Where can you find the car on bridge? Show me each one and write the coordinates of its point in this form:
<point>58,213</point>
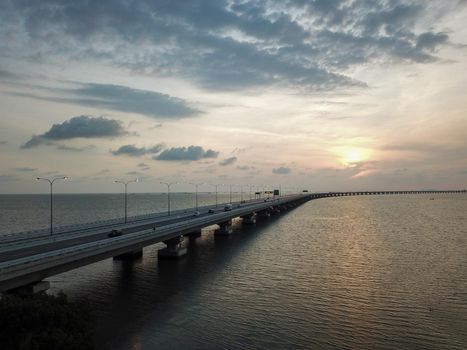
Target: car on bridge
<point>196,213</point>
<point>228,207</point>
<point>115,233</point>
<point>211,211</point>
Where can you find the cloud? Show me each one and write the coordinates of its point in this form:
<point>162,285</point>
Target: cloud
<point>133,151</point>
<point>78,127</point>
<point>6,75</point>
<point>143,165</point>
<point>281,171</point>
<point>8,178</point>
<point>228,161</point>
<point>118,98</point>
<point>74,149</point>
<point>245,167</point>
<point>25,169</point>
<point>3,142</point>
<point>190,153</point>
<point>431,40</point>
<point>304,44</point>
<point>125,99</point>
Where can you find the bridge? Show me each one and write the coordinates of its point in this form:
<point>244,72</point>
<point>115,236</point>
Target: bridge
<point>27,258</point>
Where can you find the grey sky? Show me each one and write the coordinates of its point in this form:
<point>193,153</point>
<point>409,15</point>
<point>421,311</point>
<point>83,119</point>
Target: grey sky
<point>326,94</point>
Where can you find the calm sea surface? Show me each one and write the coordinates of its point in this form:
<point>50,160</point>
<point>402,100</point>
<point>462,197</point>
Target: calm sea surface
<point>376,272</point>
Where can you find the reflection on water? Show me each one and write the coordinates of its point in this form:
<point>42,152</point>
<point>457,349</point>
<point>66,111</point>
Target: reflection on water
<point>383,272</point>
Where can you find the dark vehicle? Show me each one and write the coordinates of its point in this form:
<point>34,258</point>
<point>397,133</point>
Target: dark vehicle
<point>228,207</point>
<point>114,233</point>
<point>211,211</point>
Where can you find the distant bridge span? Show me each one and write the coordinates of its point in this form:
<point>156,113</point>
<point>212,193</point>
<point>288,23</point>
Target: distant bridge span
<point>372,193</point>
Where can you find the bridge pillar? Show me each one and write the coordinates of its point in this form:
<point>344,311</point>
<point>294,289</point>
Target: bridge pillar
<point>194,234</point>
<point>174,249</point>
<point>32,288</point>
<point>135,254</point>
<point>264,214</point>
<point>249,219</point>
<point>225,229</point>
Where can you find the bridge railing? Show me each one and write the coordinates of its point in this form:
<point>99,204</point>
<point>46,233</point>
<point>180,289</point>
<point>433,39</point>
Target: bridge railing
<point>64,229</point>
<point>92,248</point>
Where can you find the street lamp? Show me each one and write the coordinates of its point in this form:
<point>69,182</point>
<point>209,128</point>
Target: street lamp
<point>126,193</point>
<point>241,193</point>
<point>168,184</point>
<point>250,186</point>
<point>51,183</point>
<point>196,196</point>
<point>230,186</point>
<point>216,186</point>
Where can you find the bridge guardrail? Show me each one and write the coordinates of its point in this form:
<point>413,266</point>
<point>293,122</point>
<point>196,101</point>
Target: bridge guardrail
<point>129,239</point>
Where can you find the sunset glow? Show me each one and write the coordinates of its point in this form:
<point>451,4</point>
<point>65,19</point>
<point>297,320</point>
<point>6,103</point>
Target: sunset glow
<point>266,93</point>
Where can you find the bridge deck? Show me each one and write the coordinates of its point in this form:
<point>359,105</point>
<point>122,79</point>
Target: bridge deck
<point>27,258</point>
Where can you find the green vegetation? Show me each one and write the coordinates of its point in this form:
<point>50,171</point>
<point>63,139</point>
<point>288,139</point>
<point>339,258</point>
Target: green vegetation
<point>44,321</point>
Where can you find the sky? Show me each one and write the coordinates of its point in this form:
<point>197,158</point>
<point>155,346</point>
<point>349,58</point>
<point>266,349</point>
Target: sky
<point>324,95</point>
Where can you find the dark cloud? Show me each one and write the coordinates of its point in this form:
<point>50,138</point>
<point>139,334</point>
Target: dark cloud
<point>25,169</point>
<point>75,149</point>
<point>143,165</point>
<point>228,161</point>
<point>220,44</point>
<point>3,142</point>
<point>133,151</point>
<point>8,75</point>
<point>118,98</point>
<point>8,178</point>
<point>125,99</point>
<point>78,127</point>
<point>430,40</point>
<point>186,154</point>
<point>281,171</point>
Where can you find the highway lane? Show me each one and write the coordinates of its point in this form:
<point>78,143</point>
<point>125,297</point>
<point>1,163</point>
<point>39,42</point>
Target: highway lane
<point>49,244</point>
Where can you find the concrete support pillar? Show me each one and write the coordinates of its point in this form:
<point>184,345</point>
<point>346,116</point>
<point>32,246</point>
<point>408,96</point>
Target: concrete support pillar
<point>174,249</point>
<point>225,229</point>
<point>264,214</point>
<point>276,210</point>
<point>249,219</point>
<point>194,234</point>
<point>135,254</point>
<point>32,288</point>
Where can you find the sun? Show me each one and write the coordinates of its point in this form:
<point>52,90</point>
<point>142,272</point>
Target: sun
<point>351,156</point>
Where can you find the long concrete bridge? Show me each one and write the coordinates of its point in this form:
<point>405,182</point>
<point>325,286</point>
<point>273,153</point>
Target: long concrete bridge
<point>27,258</point>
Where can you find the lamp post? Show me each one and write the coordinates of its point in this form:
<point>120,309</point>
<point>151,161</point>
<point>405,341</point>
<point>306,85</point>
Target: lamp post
<point>230,196</point>
<point>168,184</point>
<point>125,183</point>
<point>196,195</point>
<point>250,186</point>
<point>241,193</point>
<point>216,186</point>
<point>51,183</point>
